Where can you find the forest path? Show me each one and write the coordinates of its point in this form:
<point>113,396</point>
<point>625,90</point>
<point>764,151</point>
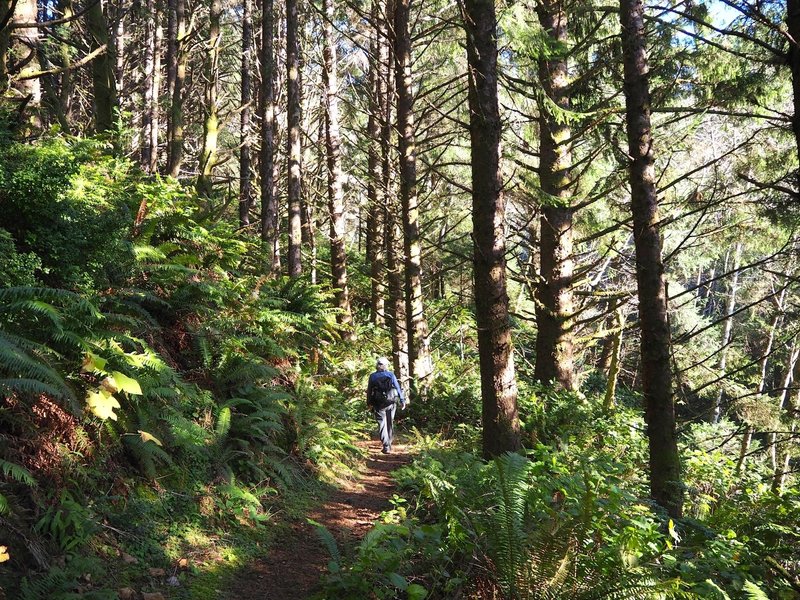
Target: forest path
<point>298,559</point>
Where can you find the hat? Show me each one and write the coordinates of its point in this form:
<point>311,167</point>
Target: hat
<point>382,362</point>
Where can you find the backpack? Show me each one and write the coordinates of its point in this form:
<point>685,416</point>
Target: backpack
<point>383,393</point>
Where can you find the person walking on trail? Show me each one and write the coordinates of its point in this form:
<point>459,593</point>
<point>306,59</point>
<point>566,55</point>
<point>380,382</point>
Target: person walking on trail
<point>383,395</point>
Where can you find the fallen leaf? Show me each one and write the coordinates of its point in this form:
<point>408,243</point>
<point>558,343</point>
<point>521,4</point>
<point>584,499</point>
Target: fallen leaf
<point>4,555</point>
<point>153,596</point>
<point>128,559</point>
<point>126,594</point>
<point>156,572</point>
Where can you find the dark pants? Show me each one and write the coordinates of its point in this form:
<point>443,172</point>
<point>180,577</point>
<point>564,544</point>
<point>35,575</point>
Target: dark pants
<point>385,419</point>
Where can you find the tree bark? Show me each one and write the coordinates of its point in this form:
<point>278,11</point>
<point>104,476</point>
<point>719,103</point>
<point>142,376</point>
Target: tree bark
<point>175,157</point>
<point>335,191</point>
<point>498,381</point>
<point>294,146</point>
<point>119,46</point>
<point>245,175</point>
<point>665,470</point>
<point>269,205</point>
<point>395,303</point>
<point>782,469</point>
<point>152,81</point>
<point>103,80</point>
<point>793,26</point>
<point>417,326</point>
<point>208,156</point>
<point>615,363</point>
<point>5,43</point>
<point>24,44</point>
<point>554,306</point>
<point>376,195</point>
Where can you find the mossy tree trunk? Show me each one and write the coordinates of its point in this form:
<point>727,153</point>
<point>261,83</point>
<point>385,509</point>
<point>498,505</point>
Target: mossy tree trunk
<point>208,156</point>
<point>554,304</point>
<point>103,75</point>
<point>177,65</point>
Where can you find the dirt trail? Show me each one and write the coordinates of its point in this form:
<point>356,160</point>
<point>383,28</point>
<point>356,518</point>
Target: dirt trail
<point>297,561</point>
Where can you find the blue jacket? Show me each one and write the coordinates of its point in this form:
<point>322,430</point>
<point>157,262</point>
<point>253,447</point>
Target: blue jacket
<point>377,376</point>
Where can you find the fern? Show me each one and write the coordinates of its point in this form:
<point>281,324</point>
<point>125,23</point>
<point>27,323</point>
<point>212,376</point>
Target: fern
<point>17,473</point>
<point>507,532</point>
<point>327,539</point>
<point>146,454</point>
<point>753,592</point>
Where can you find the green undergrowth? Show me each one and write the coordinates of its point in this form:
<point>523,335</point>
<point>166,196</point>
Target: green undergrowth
<point>164,405</point>
<point>570,518</point>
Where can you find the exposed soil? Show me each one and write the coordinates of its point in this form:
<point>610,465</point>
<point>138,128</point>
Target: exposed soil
<point>296,562</point>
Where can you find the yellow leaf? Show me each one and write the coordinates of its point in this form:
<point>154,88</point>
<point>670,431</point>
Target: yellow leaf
<point>126,384</point>
<point>93,363</point>
<point>149,437</point>
<point>102,404</point>
<point>4,555</point>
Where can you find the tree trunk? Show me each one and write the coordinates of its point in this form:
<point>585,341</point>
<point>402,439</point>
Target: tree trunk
<point>294,147</point>
<point>772,439</point>
<point>172,64</point>
<point>615,363</point>
<point>24,44</point>
<point>793,26</point>
<point>727,328</point>
<point>498,381</point>
<point>104,84</point>
<point>554,292</point>
<point>208,157</point>
<point>665,471</point>
<point>395,303</point>
<point>269,204</point>
<point>119,46</point>
<point>175,158</point>
<point>308,230</point>
<point>5,42</point>
<point>245,176</point>
<point>747,438</point>
<point>65,89</point>
<point>782,468</point>
<point>417,326</point>
<point>150,88</point>
<point>335,192</point>
<point>376,195</point>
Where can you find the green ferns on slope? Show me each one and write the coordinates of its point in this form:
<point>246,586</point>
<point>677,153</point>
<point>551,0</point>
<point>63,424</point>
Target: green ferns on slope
<point>147,348</point>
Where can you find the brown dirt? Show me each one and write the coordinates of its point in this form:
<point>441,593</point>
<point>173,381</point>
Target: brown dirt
<point>296,562</point>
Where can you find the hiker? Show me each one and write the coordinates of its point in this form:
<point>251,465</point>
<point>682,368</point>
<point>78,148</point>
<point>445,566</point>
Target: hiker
<point>383,394</point>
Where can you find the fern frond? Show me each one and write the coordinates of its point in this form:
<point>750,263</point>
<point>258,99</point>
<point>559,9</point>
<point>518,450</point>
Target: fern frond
<point>327,539</point>
<point>17,473</point>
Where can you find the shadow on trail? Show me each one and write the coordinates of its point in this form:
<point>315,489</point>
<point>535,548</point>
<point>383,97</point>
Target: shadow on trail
<point>297,559</point>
